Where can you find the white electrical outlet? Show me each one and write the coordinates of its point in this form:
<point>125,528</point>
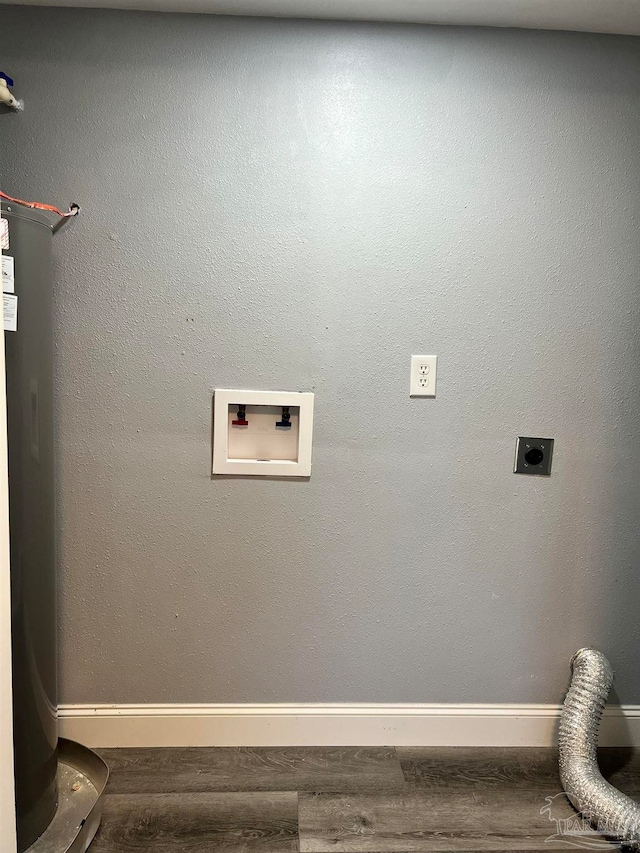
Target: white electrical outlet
<point>423,375</point>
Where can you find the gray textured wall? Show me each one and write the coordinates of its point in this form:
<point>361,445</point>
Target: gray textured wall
<point>283,204</point>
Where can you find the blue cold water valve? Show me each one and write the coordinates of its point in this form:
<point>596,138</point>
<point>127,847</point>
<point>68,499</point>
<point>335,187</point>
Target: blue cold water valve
<point>6,97</point>
<point>285,423</point>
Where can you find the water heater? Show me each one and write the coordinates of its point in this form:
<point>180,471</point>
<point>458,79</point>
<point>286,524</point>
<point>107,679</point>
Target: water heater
<point>29,361</point>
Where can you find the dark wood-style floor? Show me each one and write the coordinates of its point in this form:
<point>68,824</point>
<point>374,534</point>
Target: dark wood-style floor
<point>360,799</point>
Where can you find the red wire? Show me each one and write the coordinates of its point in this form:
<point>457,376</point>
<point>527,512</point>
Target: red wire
<point>38,205</point>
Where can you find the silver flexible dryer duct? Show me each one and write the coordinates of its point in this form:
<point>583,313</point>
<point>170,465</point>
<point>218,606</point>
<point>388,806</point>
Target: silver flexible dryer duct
<point>608,809</point>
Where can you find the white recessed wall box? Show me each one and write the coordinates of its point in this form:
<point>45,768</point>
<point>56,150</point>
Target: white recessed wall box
<point>262,433</point>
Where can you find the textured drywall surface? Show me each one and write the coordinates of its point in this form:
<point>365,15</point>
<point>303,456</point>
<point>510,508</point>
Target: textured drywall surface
<point>303,205</point>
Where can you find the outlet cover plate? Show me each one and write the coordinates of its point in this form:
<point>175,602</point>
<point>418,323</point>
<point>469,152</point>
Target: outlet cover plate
<point>533,455</point>
<point>423,375</point>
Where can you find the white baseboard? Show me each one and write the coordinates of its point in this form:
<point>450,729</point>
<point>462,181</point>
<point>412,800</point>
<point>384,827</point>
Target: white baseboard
<point>331,725</point>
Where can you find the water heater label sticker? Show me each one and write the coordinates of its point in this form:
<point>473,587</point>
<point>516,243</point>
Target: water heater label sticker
<point>4,233</point>
<point>8,274</point>
<point>10,311</point>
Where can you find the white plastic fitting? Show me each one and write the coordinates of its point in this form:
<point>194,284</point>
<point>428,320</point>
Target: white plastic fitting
<point>7,98</point>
